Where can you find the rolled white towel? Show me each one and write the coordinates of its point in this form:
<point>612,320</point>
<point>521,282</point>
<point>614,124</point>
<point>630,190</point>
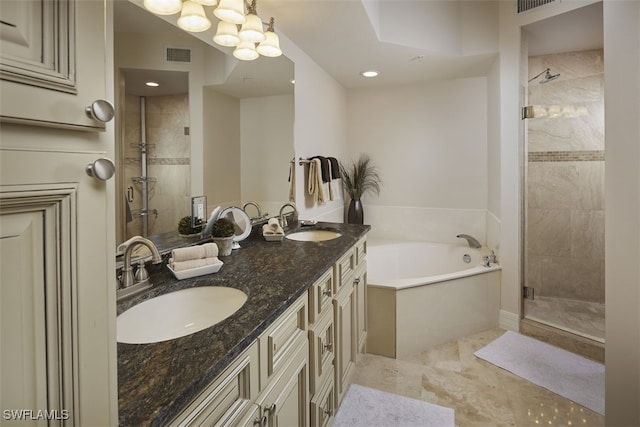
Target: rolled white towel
<point>186,254</point>
<point>210,250</point>
<point>193,263</point>
<point>268,230</point>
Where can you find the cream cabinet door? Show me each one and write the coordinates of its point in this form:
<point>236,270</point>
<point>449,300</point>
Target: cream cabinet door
<point>58,353</point>
<point>53,62</point>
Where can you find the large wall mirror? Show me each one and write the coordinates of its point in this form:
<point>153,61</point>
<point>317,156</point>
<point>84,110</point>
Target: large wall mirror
<point>213,125</point>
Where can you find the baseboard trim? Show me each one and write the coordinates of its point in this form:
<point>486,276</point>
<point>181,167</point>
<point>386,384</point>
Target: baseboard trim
<point>509,321</point>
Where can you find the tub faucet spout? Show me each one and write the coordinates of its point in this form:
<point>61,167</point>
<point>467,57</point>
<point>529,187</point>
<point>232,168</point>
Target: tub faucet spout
<point>472,241</point>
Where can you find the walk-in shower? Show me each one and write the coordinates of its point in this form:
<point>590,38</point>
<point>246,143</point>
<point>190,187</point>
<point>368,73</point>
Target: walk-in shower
<point>564,193</point>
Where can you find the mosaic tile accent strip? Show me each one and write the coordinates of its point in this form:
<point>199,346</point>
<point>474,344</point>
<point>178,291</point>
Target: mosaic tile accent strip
<point>566,156</point>
<point>162,161</point>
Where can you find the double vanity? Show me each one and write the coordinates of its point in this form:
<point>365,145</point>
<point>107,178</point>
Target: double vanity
<point>284,357</point>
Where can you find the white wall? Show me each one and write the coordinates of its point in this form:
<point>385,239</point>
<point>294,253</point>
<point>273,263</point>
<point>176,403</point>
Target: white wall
<point>429,142</point>
<point>319,128</point>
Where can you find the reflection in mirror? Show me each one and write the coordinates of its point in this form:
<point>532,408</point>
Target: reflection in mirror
<point>226,133</point>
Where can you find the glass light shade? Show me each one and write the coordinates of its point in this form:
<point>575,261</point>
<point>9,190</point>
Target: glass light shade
<point>252,29</point>
<point>163,7</point>
<point>231,11</point>
<point>246,51</point>
<point>226,34</point>
<point>207,2</point>
<point>193,18</point>
<point>270,46</point>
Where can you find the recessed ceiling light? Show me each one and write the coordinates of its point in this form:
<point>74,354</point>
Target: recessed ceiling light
<point>369,73</point>
<point>152,84</point>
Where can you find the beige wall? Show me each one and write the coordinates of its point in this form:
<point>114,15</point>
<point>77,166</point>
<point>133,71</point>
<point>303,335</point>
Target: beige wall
<point>266,139</point>
<point>622,241</point>
<point>429,142</point>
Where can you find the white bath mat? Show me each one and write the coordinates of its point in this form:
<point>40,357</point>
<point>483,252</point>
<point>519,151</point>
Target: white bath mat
<point>366,407</point>
<point>569,375</point>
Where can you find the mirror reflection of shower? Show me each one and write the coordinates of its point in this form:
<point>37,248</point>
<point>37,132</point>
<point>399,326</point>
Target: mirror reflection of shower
<point>548,77</point>
<point>156,147</point>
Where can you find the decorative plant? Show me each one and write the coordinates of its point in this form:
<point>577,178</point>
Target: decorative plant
<point>223,227</point>
<point>184,227</point>
<point>360,177</point>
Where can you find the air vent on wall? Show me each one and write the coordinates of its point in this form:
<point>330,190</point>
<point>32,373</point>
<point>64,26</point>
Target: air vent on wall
<point>175,54</point>
<point>524,5</point>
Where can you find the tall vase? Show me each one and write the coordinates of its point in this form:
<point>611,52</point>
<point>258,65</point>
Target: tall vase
<point>355,214</point>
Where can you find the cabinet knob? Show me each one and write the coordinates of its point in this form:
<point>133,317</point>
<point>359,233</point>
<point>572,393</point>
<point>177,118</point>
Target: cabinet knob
<point>270,409</point>
<point>327,412</point>
<point>260,422</point>
<point>101,169</point>
<point>327,292</point>
<point>100,110</point>
<point>356,280</point>
<point>328,346</point>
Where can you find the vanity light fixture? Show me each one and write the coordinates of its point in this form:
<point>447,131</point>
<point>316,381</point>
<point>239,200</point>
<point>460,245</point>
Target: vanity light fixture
<point>192,17</point>
<point>271,45</point>
<point>230,11</point>
<point>244,31</point>
<point>163,7</point>
<point>369,73</point>
<point>252,30</point>
<point>227,34</point>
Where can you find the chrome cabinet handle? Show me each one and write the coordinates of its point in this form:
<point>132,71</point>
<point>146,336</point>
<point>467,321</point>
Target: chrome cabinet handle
<point>327,292</point>
<point>100,110</point>
<point>101,169</point>
<point>327,412</point>
<point>270,409</point>
<point>356,280</point>
<point>261,422</point>
<point>328,346</point>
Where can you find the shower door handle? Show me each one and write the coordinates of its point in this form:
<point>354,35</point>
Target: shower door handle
<point>101,169</point>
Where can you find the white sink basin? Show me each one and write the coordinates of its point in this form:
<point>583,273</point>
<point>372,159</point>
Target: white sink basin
<point>313,235</point>
<point>177,314</point>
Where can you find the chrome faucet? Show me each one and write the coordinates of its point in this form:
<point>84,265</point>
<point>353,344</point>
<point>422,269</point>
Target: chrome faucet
<point>250,203</point>
<point>127,279</point>
<point>473,243</point>
<point>283,219</point>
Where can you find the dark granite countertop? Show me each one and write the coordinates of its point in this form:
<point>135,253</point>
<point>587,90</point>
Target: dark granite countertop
<point>156,381</point>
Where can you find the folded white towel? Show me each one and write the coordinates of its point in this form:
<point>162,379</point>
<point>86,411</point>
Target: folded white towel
<point>272,230</point>
<point>315,186</point>
<point>192,263</point>
<point>335,189</point>
<point>273,222</point>
<point>207,250</point>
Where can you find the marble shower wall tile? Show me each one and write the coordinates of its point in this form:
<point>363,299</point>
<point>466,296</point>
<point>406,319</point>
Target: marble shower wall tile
<point>565,192</point>
<point>168,160</point>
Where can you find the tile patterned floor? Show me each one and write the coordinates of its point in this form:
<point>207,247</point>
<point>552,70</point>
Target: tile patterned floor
<point>480,393</point>
<point>579,317</point>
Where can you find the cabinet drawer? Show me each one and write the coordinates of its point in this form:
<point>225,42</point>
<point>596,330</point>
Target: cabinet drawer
<point>320,296</point>
<point>361,251</point>
<point>321,349</point>
<point>228,396</point>
<point>322,407</point>
<point>344,270</point>
<point>282,339</point>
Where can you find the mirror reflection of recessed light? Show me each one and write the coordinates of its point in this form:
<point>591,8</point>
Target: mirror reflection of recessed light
<point>369,73</point>
<point>152,84</point>
<point>293,81</point>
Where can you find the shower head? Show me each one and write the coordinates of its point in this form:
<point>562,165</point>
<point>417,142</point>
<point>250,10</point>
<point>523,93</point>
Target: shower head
<point>547,76</point>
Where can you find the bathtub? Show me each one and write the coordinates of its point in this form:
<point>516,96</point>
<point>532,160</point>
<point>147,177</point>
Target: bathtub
<point>422,294</point>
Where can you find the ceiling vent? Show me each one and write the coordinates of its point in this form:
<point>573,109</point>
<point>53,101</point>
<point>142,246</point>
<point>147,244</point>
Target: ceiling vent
<point>524,5</point>
<point>176,54</point>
